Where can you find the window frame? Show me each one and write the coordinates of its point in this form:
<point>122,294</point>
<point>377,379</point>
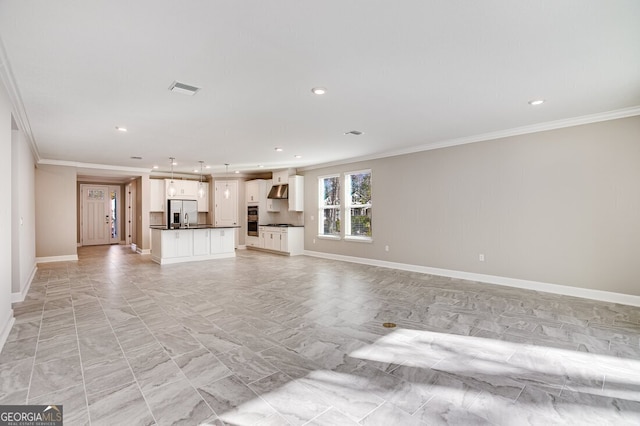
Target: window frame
<point>346,228</point>
<point>322,207</point>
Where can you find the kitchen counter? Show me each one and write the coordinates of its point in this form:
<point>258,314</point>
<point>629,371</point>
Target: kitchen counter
<point>196,243</point>
<point>203,226</point>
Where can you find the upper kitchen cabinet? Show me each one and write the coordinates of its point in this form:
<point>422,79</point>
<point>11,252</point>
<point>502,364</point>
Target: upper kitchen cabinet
<point>255,190</point>
<point>296,193</point>
<point>185,189</point>
<point>281,177</point>
<point>203,203</point>
<point>158,197</point>
<point>226,208</point>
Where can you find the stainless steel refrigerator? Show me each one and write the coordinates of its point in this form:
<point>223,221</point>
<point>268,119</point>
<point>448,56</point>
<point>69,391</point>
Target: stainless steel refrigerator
<point>182,213</point>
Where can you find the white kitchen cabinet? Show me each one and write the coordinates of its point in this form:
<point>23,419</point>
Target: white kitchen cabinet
<point>272,238</point>
<point>255,190</point>
<point>293,240</point>
<point>158,197</point>
<point>296,193</point>
<point>226,209</point>
<point>222,241</point>
<point>189,245</point>
<point>185,189</point>
<point>286,240</point>
<point>177,243</point>
<point>203,203</point>
<point>253,241</point>
<point>281,177</point>
<point>201,242</point>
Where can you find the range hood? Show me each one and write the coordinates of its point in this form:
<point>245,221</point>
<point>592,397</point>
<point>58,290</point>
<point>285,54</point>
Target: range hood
<point>279,192</point>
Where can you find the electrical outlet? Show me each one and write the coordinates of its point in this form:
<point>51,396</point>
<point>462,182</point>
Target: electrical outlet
<point>386,248</point>
<point>481,257</point>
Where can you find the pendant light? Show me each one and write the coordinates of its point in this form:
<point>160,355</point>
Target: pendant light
<point>227,192</point>
<point>172,190</point>
<point>200,186</point>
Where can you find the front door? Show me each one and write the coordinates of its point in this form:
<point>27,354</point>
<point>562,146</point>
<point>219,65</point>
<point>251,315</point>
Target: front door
<point>96,215</point>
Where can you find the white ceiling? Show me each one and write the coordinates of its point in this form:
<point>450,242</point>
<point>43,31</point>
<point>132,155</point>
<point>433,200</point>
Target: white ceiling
<point>408,74</point>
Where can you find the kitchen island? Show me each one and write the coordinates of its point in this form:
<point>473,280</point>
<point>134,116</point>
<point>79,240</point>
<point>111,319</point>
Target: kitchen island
<point>201,242</point>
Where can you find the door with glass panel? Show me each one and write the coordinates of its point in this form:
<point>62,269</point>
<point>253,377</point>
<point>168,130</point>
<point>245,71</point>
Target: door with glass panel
<point>100,214</point>
<point>96,217</point>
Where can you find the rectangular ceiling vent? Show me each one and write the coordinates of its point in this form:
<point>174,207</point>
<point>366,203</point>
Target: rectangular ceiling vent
<point>185,89</point>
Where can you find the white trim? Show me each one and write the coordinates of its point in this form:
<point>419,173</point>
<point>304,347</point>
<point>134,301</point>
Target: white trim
<point>356,239</point>
<point>534,128</point>
<point>19,297</point>
<point>241,247</point>
<point>6,329</point>
<point>96,166</point>
<point>19,111</point>
<point>48,259</point>
<point>141,251</point>
<point>585,293</point>
<point>329,237</point>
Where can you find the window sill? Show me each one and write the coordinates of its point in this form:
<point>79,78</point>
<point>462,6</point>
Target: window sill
<point>329,237</point>
<point>359,239</point>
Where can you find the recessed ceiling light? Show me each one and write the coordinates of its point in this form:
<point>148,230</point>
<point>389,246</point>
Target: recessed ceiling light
<point>536,102</point>
<point>354,132</point>
<point>298,156</point>
<point>121,129</point>
<point>174,163</point>
<point>195,170</point>
<point>207,167</point>
<point>279,149</point>
<point>260,166</point>
<point>318,90</point>
<point>156,167</point>
<point>237,171</point>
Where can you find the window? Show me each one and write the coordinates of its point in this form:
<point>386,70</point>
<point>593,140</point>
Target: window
<point>358,205</point>
<point>329,202</point>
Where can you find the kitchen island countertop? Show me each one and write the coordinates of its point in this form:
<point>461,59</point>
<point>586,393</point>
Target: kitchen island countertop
<point>202,226</point>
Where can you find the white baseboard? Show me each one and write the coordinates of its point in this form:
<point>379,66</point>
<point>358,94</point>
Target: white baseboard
<point>19,296</point>
<point>141,251</point>
<point>585,293</point>
<point>5,328</point>
<point>241,247</point>
<point>66,258</point>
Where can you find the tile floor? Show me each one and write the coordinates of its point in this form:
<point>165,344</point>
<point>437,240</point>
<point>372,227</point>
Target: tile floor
<point>270,340</point>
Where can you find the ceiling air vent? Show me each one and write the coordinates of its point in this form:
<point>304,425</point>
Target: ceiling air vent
<point>185,89</point>
<point>354,132</point>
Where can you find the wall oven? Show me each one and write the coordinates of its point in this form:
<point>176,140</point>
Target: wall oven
<point>252,221</point>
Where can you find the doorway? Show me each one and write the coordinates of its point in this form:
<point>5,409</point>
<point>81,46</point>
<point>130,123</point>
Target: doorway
<point>100,214</point>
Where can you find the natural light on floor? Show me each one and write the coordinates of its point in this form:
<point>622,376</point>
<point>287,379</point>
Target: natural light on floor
<point>422,376</point>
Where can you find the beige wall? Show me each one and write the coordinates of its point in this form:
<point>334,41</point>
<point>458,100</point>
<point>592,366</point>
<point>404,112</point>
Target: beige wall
<point>56,211</point>
<point>558,207</point>
<point>6,313</point>
<point>23,216</point>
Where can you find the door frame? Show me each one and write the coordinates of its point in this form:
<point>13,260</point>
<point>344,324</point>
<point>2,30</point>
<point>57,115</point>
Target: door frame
<point>110,187</point>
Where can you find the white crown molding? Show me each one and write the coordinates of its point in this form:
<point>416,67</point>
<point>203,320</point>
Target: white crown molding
<point>94,166</point>
<point>19,113</point>
<point>585,293</point>
<point>534,128</point>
